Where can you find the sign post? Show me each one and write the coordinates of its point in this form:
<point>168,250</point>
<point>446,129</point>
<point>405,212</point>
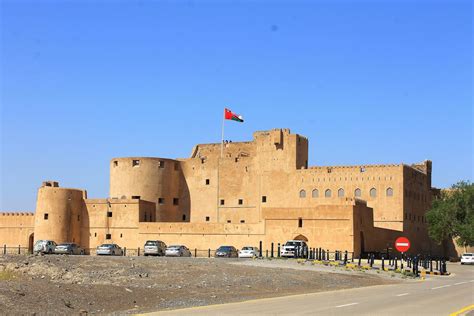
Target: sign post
<point>402,244</point>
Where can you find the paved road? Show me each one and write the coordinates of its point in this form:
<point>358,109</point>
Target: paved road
<point>434,296</point>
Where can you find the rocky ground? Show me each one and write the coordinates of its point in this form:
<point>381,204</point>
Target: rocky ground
<point>106,285</point>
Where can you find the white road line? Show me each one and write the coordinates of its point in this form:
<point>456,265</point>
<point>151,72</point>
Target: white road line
<point>461,283</point>
<point>345,305</point>
<point>440,287</point>
<point>403,294</point>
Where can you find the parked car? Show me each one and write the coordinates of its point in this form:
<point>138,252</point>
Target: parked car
<point>68,248</point>
<point>288,249</point>
<point>44,246</point>
<point>226,252</point>
<point>109,250</point>
<point>177,251</point>
<point>154,248</point>
<point>467,258</point>
<point>249,252</point>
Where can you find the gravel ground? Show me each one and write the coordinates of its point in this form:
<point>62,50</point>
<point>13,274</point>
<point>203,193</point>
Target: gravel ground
<point>107,285</point>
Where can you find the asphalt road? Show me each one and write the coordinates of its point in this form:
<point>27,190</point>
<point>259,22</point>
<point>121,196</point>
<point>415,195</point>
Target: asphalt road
<point>437,295</point>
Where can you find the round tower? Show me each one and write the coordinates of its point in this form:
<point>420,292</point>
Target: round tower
<point>58,214</point>
<point>152,179</point>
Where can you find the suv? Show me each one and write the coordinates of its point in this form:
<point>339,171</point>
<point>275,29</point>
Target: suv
<point>154,248</point>
<point>288,249</point>
<point>44,246</point>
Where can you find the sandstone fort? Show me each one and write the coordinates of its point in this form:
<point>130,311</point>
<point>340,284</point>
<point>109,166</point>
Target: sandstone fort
<point>257,191</point>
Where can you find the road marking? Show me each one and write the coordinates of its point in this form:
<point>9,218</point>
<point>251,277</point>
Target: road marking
<point>461,311</point>
<point>460,283</point>
<point>403,294</point>
<point>345,305</point>
<point>440,287</point>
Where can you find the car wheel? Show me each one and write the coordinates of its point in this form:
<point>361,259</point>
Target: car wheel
<point>50,251</point>
<point>82,252</point>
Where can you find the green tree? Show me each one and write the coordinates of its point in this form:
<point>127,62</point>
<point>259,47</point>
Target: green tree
<point>452,215</point>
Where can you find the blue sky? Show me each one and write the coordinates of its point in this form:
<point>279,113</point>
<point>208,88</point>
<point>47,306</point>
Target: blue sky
<point>365,81</point>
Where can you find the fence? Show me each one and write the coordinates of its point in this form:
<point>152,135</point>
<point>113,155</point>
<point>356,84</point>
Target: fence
<point>18,250</point>
<point>430,265</point>
<point>433,265</point>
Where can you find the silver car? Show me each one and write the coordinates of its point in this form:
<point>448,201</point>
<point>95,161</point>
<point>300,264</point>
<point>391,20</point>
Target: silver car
<point>44,246</point>
<point>109,250</point>
<point>68,248</point>
<point>177,251</point>
<point>155,248</point>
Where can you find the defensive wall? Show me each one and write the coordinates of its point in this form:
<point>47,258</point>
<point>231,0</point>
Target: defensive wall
<point>17,228</point>
<point>239,193</point>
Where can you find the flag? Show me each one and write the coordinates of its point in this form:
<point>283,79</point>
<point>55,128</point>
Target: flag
<point>233,117</point>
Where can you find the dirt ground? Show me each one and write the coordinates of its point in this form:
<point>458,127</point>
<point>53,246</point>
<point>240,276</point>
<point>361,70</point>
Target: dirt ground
<point>107,285</point>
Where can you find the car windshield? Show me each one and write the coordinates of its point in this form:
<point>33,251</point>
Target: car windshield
<point>225,248</point>
<point>107,246</point>
<point>468,255</point>
<point>174,247</point>
<point>247,248</point>
<point>292,243</point>
<point>151,243</point>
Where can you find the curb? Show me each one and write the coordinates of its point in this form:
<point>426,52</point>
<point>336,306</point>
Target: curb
<point>354,266</point>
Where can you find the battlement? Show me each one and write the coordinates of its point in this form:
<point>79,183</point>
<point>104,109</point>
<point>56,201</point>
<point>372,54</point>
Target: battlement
<point>17,214</point>
<point>359,168</point>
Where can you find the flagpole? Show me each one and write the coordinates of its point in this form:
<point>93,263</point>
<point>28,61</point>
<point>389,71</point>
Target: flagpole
<point>218,167</point>
<point>222,140</point>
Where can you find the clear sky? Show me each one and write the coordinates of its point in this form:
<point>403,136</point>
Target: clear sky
<point>366,81</point>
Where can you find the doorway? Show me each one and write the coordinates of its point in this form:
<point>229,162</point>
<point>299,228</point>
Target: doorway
<point>31,240</point>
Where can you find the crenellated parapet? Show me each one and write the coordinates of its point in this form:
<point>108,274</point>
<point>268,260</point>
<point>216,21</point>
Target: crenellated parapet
<point>17,213</point>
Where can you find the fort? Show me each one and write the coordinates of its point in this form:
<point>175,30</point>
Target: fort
<point>239,193</point>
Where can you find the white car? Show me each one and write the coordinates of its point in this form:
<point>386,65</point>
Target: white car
<point>467,258</point>
<point>177,251</point>
<point>248,252</point>
<point>288,249</point>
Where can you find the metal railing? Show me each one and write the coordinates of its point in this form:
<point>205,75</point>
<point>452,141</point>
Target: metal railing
<point>16,250</point>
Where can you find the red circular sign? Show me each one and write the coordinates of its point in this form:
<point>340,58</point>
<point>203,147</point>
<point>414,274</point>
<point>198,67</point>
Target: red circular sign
<point>402,244</point>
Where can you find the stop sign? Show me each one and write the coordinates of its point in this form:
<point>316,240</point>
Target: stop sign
<point>402,244</point>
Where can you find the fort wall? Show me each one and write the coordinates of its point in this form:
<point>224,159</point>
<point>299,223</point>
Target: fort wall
<point>115,221</point>
<point>16,229</point>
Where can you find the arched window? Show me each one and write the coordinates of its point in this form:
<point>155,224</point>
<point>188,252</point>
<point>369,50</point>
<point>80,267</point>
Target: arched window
<point>373,192</point>
<point>315,193</point>
<point>389,192</point>
<point>340,192</point>
<point>302,194</point>
<point>327,193</point>
<point>357,192</point>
